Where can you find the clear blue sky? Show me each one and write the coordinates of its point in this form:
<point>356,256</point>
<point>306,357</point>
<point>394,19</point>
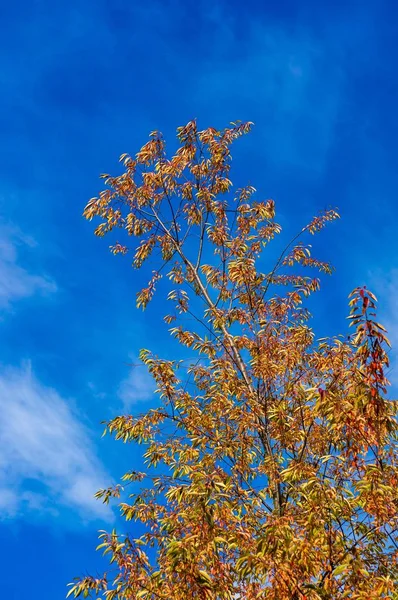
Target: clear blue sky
<point>84,81</point>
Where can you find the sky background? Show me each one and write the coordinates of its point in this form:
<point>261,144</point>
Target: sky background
<point>84,81</point>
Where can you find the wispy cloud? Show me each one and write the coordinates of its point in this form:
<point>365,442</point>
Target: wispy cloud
<point>16,282</point>
<point>137,387</point>
<point>289,80</point>
<point>43,441</point>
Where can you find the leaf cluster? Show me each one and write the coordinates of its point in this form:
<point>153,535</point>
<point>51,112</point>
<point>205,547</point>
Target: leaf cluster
<point>271,464</point>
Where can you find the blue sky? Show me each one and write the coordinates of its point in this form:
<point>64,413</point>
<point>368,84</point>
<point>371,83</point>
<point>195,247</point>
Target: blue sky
<point>84,81</point>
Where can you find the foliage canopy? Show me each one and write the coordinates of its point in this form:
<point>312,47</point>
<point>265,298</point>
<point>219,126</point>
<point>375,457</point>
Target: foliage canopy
<point>271,469</point>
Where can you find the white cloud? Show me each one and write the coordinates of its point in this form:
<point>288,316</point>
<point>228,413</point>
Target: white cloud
<point>15,281</point>
<point>138,386</point>
<point>43,441</point>
<point>8,502</point>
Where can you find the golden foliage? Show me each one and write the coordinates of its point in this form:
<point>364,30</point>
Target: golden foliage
<point>271,467</point>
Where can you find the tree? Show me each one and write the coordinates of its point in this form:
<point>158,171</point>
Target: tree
<point>271,470</point>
